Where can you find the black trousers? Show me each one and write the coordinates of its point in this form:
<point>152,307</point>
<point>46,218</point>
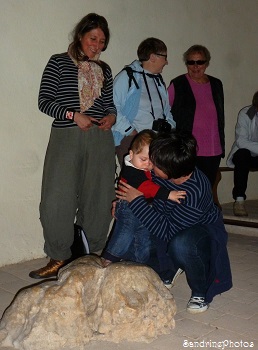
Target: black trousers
<point>209,166</point>
<point>243,163</point>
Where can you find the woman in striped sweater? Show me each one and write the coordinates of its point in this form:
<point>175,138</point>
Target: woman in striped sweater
<point>77,92</point>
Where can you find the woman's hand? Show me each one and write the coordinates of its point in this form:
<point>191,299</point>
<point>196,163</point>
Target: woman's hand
<point>83,121</point>
<point>107,122</point>
<point>127,192</point>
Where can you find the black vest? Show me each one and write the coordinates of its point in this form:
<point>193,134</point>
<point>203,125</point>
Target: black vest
<point>184,105</point>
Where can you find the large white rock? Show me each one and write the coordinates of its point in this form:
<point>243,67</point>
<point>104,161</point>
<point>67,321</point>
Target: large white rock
<point>124,301</point>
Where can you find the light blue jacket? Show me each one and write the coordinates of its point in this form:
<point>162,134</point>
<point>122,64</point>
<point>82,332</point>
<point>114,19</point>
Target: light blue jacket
<point>245,128</point>
<point>127,102</point>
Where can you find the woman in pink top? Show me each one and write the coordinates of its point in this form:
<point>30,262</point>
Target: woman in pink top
<point>197,105</point>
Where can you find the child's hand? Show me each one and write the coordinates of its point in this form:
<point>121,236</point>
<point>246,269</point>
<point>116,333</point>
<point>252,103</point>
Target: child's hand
<point>176,196</point>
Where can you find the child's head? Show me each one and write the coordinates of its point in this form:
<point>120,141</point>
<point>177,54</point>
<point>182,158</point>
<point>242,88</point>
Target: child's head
<point>139,150</point>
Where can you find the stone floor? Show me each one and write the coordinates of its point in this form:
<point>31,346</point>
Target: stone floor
<point>232,316</point>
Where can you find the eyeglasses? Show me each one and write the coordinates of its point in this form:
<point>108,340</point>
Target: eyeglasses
<point>162,55</point>
<point>192,62</point>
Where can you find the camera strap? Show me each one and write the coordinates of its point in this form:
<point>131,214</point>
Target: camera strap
<point>156,81</point>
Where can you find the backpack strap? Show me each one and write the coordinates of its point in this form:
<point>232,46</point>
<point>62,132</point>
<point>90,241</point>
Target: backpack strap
<point>130,72</point>
<point>131,76</point>
<point>161,79</point>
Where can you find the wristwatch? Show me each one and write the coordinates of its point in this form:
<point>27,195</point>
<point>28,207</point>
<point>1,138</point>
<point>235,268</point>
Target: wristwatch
<point>70,115</point>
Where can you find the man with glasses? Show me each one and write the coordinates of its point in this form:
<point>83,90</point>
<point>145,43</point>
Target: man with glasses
<point>141,97</point>
<point>197,104</point>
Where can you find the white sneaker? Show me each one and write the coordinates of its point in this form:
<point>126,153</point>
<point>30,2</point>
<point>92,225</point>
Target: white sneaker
<point>177,274</point>
<point>239,208</point>
<point>197,305</point>
<point>169,283</point>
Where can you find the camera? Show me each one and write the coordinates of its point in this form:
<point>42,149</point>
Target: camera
<point>161,125</point>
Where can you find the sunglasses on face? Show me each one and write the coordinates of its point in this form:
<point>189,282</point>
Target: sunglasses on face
<point>192,62</point>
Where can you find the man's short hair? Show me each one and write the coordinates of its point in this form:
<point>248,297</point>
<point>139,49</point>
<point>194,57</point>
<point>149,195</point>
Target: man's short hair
<point>149,46</point>
<point>174,153</point>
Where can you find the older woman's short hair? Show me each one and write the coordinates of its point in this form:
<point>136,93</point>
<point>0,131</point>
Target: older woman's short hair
<point>197,49</point>
<point>255,100</point>
<point>149,46</point>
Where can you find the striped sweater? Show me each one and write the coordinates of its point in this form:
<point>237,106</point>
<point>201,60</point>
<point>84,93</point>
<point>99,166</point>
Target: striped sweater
<point>59,92</point>
<point>165,219</point>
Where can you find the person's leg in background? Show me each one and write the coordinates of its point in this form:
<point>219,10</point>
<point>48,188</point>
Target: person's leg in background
<point>243,161</point>
<point>209,166</point>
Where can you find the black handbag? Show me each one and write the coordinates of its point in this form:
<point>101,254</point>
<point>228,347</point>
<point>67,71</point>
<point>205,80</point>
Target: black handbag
<point>80,246</point>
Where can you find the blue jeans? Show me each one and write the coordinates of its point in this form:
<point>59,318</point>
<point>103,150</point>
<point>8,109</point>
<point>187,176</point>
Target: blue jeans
<point>190,250</point>
<point>129,239</point>
<point>159,260</point>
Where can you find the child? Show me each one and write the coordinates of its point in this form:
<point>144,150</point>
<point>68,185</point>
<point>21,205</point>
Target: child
<point>130,240</point>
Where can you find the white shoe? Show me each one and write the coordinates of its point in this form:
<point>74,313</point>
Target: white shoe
<point>177,274</point>
<point>169,283</point>
<point>239,208</point>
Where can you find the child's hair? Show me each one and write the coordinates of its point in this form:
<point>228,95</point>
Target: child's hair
<point>174,153</point>
<point>143,138</point>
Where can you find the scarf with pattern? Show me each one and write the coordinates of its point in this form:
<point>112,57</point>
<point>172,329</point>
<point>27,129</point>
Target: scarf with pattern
<point>90,81</point>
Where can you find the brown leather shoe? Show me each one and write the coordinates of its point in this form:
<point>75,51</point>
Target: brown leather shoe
<point>50,270</point>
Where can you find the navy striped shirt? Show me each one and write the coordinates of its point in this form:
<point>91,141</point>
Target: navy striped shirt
<point>59,92</point>
<point>165,219</point>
